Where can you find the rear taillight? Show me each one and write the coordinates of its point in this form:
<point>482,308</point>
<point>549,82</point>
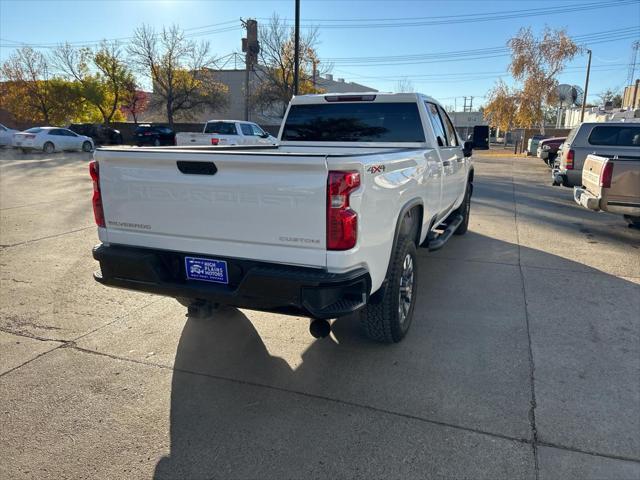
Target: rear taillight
<point>342,222</point>
<point>98,212</point>
<point>215,141</point>
<point>606,174</point>
<point>147,134</point>
<point>569,160</point>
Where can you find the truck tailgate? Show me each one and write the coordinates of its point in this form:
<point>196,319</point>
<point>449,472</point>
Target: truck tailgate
<point>188,138</point>
<point>591,174</point>
<point>262,206</point>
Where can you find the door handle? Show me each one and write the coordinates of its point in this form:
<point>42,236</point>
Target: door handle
<point>197,168</point>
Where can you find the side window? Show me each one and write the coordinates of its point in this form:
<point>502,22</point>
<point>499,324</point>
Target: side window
<point>246,129</point>
<point>68,133</point>
<point>436,122</point>
<point>451,131</point>
<point>55,132</point>
<point>629,137</point>
<point>604,136</point>
<point>257,131</point>
<point>615,136</point>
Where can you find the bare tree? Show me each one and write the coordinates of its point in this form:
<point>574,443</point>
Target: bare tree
<point>405,85</point>
<point>26,92</point>
<point>275,70</point>
<point>179,70</point>
<point>610,95</point>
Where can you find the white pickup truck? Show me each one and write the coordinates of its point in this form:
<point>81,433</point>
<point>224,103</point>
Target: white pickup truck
<point>227,132</point>
<point>324,224</point>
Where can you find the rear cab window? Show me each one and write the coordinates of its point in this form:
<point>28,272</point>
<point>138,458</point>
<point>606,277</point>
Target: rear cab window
<point>222,128</point>
<point>354,122</point>
<point>614,135</point>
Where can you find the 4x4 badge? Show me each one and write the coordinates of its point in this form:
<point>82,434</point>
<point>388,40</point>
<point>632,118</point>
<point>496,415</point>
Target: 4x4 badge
<point>375,169</point>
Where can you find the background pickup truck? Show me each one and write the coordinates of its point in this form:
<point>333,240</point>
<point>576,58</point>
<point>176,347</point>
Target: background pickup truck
<point>611,185</point>
<point>322,225</point>
<point>227,132</point>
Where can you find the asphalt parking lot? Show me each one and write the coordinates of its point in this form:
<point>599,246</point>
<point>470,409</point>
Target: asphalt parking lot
<point>523,360</point>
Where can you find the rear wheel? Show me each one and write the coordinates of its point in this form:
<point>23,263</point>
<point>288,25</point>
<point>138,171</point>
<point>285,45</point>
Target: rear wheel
<point>86,146</point>
<point>634,222</point>
<point>388,315</point>
<point>48,147</point>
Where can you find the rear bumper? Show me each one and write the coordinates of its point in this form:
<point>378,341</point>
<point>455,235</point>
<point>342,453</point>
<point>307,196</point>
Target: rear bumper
<point>586,199</point>
<point>255,285</point>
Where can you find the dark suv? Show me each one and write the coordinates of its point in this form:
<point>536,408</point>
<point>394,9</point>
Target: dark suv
<point>100,134</point>
<point>155,135</point>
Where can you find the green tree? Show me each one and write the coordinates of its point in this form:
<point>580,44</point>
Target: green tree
<point>101,75</point>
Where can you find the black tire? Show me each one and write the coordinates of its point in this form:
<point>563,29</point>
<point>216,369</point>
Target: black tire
<point>48,147</point>
<point>634,222</point>
<point>86,146</point>
<point>381,318</point>
<point>465,210</point>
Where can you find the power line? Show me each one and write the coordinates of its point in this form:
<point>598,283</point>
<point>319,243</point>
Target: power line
<point>458,19</point>
<point>367,23</point>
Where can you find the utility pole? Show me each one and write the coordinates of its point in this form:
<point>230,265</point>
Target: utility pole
<point>296,53</point>
<point>471,105</point>
<point>251,47</point>
<point>586,88</point>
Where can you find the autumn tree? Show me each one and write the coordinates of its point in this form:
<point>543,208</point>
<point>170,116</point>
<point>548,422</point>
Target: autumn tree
<point>101,75</point>
<point>275,69</point>
<point>26,88</point>
<point>134,101</point>
<point>501,108</point>
<point>179,70</point>
<point>537,62</point>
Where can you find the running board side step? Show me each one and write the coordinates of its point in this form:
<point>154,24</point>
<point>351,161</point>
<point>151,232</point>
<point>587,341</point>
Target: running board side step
<point>436,241</point>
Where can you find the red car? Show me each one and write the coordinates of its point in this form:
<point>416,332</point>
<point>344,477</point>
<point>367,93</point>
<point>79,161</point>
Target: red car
<point>548,149</point>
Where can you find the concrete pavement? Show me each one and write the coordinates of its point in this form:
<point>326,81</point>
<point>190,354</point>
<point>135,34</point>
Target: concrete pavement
<point>523,360</point>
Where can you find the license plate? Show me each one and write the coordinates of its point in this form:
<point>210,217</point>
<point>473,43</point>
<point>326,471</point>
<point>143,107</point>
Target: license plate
<point>206,270</point>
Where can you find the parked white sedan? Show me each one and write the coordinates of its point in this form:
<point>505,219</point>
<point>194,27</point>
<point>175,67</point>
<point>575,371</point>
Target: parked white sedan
<point>6,135</point>
<point>51,139</point>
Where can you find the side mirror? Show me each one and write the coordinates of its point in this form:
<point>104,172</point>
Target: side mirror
<point>264,135</point>
<point>467,148</point>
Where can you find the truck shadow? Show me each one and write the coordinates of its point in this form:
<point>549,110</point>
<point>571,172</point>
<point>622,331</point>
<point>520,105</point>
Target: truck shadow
<point>463,363</point>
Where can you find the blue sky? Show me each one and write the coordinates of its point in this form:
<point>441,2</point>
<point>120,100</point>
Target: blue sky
<point>351,30</point>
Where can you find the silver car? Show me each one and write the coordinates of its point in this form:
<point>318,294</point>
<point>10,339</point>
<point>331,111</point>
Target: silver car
<point>603,138</point>
<point>51,139</point>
